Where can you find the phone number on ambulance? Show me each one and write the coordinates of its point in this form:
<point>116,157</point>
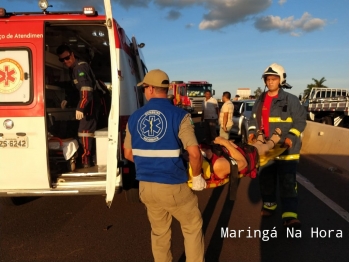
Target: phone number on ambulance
<point>13,143</point>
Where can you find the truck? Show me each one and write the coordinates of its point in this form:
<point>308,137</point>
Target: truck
<point>178,94</point>
<point>189,95</point>
<point>34,161</point>
<point>328,105</point>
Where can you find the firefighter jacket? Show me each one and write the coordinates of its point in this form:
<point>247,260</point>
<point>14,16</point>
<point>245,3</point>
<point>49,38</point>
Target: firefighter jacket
<point>286,113</point>
<point>156,147</point>
<point>85,82</point>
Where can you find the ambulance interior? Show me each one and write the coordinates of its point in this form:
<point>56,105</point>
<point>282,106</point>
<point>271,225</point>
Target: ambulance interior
<point>90,43</point>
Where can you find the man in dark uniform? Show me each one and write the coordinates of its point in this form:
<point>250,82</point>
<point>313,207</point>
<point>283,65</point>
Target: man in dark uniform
<point>88,106</point>
<point>279,111</point>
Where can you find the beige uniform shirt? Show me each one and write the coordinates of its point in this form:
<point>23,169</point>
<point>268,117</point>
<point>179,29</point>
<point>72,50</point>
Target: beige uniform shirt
<point>227,107</point>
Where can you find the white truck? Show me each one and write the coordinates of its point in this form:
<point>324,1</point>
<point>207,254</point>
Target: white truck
<point>328,105</point>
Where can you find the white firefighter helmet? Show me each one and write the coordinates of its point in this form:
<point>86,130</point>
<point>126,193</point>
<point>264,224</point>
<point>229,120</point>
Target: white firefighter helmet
<point>275,69</point>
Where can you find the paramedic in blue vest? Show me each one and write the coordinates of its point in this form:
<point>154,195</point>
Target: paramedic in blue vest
<point>155,135</point>
<point>89,102</point>
<point>274,109</point>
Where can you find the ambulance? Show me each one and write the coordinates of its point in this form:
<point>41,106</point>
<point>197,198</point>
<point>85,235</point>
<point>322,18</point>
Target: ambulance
<point>38,139</point>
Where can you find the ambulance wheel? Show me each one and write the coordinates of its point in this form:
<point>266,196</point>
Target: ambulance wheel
<point>132,195</point>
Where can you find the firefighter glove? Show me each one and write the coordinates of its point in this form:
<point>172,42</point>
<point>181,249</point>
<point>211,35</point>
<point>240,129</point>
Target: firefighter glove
<point>251,138</point>
<point>287,143</point>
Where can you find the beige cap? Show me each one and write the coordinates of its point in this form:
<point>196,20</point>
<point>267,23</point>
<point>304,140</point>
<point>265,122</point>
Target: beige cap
<point>157,78</point>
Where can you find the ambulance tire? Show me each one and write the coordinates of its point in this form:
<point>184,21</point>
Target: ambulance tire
<point>132,195</point>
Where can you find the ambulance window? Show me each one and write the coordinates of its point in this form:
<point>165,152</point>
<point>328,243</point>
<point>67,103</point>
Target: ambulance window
<point>15,76</point>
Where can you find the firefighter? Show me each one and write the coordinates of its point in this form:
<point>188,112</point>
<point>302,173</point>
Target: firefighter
<point>89,102</point>
<point>276,108</point>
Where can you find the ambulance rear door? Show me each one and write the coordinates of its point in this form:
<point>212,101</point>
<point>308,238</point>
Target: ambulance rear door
<point>113,171</point>
<point>23,156</point>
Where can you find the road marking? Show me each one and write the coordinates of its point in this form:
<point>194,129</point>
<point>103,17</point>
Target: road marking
<point>336,208</point>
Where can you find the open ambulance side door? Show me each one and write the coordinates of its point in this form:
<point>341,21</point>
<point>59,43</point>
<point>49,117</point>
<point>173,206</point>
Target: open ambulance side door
<point>113,175</point>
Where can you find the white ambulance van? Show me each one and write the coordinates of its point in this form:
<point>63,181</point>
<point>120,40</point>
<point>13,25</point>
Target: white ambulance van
<point>38,139</point>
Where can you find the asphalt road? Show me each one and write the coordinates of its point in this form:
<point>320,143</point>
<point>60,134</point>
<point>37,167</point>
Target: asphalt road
<point>82,228</point>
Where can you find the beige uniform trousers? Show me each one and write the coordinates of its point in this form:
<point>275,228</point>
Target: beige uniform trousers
<point>164,201</point>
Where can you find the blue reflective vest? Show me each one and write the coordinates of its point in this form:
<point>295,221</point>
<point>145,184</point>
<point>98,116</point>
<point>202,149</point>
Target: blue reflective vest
<point>156,147</point>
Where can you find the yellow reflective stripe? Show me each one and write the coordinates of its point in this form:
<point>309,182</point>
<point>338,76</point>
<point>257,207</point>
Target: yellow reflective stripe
<point>279,120</point>
<point>295,132</point>
<point>251,128</point>
<point>86,134</point>
<point>296,187</point>
<point>289,214</point>
<point>156,153</point>
<point>86,88</point>
<point>273,207</point>
<point>288,157</point>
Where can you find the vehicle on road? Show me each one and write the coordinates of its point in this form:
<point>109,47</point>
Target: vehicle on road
<point>33,82</point>
<point>241,115</point>
<point>178,93</point>
<point>329,106</point>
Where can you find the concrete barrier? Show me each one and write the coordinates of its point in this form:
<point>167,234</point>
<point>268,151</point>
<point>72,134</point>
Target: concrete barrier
<point>329,144</point>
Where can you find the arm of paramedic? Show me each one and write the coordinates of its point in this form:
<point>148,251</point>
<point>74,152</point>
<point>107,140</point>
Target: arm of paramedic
<point>234,153</point>
<point>299,116</point>
<point>128,146</point>
<point>187,135</point>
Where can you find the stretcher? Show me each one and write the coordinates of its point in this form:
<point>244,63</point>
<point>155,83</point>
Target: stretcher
<point>211,182</point>
<point>63,152</point>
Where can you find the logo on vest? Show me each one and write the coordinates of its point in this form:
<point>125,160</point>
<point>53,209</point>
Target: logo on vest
<point>152,126</point>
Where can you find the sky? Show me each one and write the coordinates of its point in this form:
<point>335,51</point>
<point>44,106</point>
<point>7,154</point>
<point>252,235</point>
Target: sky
<point>230,43</point>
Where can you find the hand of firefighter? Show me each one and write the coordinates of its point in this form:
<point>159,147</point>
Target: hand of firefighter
<point>251,138</point>
<point>199,183</point>
<point>63,104</point>
<point>79,115</point>
<point>287,143</point>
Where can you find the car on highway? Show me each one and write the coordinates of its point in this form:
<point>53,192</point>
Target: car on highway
<point>241,115</point>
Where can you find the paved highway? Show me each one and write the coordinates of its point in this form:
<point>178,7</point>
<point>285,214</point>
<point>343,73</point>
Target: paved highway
<point>81,228</point>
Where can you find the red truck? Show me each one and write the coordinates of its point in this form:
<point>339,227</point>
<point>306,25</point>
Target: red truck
<point>189,95</point>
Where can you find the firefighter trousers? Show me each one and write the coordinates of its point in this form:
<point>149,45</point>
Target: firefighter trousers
<point>86,130</point>
<point>280,173</point>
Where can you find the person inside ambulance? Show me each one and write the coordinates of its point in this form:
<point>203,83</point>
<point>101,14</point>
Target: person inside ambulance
<point>276,108</point>
<point>88,106</point>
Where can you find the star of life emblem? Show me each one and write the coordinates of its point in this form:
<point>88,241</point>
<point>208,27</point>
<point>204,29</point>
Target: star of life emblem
<point>11,76</point>
<point>152,126</point>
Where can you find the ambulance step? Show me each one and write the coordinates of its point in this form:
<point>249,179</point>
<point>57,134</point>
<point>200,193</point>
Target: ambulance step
<point>79,181</point>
